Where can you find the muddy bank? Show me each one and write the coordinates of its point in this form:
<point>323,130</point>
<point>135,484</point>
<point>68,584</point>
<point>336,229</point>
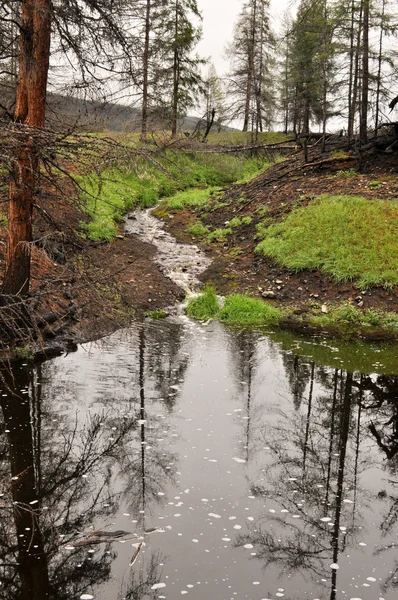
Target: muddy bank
<point>95,290</point>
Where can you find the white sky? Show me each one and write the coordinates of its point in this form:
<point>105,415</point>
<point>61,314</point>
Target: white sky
<point>219,17</point>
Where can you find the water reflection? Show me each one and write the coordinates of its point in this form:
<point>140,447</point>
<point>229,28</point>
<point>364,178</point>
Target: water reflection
<point>314,475</point>
<point>172,457</point>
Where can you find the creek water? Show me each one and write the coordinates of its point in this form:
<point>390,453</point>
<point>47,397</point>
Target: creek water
<point>177,459</point>
<point>183,263</point>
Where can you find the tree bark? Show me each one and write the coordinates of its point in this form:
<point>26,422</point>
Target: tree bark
<point>30,110</point>
<point>144,117</point>
<point>379,65</point>
<point>250,68</point>
<point>176,77</point>
<point>363,126</point>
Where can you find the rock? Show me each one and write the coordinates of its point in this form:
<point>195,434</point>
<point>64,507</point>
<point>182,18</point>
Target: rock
<point>324,309</point>
<point>299,289</point>
<point>278,281</point>
<point>268,294</point>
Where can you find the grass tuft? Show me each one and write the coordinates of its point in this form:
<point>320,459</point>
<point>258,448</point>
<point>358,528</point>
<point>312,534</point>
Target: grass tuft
<point>198,229</point>
<point>193,198</point>
<point>349,238</point>
<point>243,310</point>
<point>205,306</point>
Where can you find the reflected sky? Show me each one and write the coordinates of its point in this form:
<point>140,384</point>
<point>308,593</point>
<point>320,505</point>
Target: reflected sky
<point>175,459</point>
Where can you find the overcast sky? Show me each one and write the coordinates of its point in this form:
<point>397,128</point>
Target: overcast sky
<point>219,17</point>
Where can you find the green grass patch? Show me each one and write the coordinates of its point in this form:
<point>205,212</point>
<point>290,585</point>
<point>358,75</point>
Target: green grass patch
<point>243,137</point>
<point>347,173</point>
<point>349,238</point>
<point>106,200</point>
<point>203,307</point>
<point>198,229</point>
<point>243,310</point>
<point>348,317</point>
<point>219,235</point>
<point>194,198</point>
<point>156,313</point>
<point>374,184</point>
<point>186,178</point>
<point>238,309</point>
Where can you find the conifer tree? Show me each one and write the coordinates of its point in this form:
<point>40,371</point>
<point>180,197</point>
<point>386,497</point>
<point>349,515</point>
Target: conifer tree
<point>176,77</point>
<point>311,69</point>
<point>250,54</point>
<point>214,97</point>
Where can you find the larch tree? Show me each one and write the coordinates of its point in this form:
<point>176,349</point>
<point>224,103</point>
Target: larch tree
<point>250,55</point>
<point>214,98</point>
<point>311,66</point>
<point>176,73</point>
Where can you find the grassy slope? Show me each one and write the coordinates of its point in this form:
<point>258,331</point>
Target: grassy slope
<point>349,238</point>
<point>115,192</point>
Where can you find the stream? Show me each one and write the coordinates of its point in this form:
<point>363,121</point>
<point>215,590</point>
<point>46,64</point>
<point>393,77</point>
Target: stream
<point>175,459</point>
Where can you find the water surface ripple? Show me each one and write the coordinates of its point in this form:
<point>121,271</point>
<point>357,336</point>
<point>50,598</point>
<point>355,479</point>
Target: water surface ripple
<point>175,459</point>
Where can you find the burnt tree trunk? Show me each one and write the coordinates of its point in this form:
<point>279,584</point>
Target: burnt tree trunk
<point>30,110</point>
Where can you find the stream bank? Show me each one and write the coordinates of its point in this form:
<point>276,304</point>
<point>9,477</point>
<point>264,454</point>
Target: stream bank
<point>230,225</point>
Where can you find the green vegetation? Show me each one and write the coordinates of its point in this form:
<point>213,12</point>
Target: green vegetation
<point>339,154</point>
<point>349,238</point>
<point>24,352</point>
<point>194,198</point>
<point>374,184</point>
<point>106,200</point>
<point>219,235</point>
<point>234,138</point>
<point>347,173</point>
<point>205,306</point>
<point>243,310</point>
<point>3,219</point>
<point>238,309</point>
<point>348,317</point>
<point>198,229</point>
<point>156,313</point>
<point>108,197</point>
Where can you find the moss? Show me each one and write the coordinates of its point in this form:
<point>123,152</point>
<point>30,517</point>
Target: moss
<point>198,229</point>
<point>157,313</point>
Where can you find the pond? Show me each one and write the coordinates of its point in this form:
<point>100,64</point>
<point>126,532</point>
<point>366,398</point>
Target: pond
<point>176,459</point>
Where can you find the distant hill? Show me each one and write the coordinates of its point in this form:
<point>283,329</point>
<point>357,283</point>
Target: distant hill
<point>97,116</point>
